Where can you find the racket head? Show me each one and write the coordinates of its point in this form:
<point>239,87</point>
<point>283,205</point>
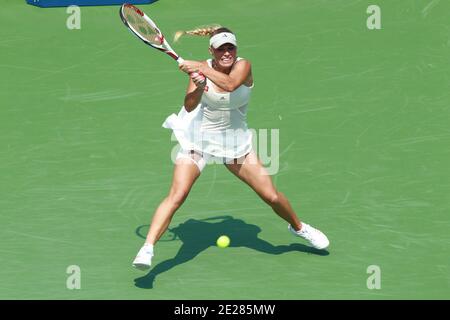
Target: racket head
<point>145,29</point>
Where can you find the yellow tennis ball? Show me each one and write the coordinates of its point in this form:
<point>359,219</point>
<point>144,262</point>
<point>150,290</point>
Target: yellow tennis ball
<point>223,242</point>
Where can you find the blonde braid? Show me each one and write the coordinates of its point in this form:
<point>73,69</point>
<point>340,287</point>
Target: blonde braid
<point>199,31</point>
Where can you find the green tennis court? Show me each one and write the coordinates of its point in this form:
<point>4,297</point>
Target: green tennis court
<point>364,151</point>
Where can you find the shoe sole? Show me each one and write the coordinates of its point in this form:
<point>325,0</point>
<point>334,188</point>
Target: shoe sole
<point>321,248</point>
<point>141,266</point>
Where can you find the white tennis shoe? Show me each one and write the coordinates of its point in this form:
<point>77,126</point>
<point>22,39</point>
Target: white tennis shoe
<point>314,236</point>
<point>143,260</point>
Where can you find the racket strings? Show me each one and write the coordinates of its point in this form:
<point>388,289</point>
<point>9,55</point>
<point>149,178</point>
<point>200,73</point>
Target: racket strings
<point>141,26</point>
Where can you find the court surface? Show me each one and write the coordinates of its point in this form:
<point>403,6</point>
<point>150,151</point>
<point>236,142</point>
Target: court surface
<point>363,119</point>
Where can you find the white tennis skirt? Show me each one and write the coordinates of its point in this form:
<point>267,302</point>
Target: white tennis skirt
<point>186,126</point>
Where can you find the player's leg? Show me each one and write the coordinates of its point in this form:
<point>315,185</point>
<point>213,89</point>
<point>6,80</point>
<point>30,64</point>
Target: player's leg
<point>184,176</point>
<point>252,172</point>
<point>255,175</point>
<point>186,171</point>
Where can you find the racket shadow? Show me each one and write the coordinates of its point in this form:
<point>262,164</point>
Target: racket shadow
<point>198,235</point>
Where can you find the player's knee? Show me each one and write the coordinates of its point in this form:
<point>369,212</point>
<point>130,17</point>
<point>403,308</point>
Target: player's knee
<point>177,197</point>
<point>272,198</point>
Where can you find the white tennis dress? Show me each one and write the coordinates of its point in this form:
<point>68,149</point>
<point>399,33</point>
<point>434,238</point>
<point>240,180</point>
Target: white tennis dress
<point>217,126</point>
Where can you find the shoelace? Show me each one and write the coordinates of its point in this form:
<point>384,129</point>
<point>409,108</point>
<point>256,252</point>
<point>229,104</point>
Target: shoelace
<point>145,251</point>
<point>308,233</point>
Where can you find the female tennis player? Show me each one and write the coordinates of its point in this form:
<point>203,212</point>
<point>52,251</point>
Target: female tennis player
<point>212,125</point>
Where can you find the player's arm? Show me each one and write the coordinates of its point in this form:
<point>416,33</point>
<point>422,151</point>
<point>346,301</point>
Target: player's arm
<point>240,74</point>
<point>194,92</point>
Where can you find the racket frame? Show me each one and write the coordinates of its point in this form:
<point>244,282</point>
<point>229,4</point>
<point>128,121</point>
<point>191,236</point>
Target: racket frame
<point>164,46</point>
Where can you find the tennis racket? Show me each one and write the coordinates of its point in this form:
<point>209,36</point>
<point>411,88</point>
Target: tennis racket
<point>146,30</point>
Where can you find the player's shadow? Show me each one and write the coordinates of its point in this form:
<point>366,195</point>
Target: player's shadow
<point>199,235</point>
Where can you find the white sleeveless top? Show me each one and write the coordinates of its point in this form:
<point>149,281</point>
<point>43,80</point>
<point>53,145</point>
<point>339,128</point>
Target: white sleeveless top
<point>224,110</point>
<point>218,125</point>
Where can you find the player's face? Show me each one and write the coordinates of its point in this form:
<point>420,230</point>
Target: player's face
<point>225,55</point>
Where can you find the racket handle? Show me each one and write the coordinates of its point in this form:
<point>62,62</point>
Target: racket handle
<point>180,60</point>
<point>193,74</point>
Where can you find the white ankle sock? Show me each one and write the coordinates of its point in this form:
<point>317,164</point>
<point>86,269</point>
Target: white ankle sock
<point>303,228</point>
<point>298,231</point>
<point>148,246</point>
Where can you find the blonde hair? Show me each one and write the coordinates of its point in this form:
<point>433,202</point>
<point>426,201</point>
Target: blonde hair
<point>199,31</point>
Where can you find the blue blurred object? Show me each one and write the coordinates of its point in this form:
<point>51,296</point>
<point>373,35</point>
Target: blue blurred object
<point>66,3</point>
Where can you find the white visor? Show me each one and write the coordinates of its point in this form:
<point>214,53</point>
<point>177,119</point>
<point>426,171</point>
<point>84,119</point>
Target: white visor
<point>222,38</point>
